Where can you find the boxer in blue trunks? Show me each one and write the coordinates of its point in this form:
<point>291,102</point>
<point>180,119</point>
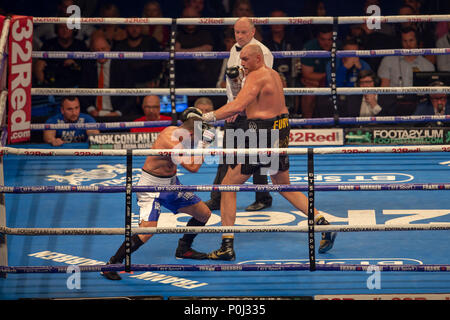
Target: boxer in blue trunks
<point>162,170</point>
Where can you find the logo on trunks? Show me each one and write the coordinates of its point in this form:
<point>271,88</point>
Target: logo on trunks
<point>252,126</point>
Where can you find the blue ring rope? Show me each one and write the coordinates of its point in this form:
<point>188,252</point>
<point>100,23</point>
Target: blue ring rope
<point>292,122</point>
<point>227,267</point>
<point>226,188</point>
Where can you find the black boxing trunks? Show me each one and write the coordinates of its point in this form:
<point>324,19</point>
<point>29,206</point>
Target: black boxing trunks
<point>259,133</point>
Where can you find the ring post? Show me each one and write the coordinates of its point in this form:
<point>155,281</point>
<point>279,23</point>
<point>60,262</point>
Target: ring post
<point>173,34</point>
<point>334,71</point>
<point>128,207</point>
<point>311,243</point>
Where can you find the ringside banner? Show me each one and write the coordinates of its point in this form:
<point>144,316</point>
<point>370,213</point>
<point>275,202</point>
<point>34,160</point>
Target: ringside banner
<point>19,79</point>
<point>127,140</point>
<point>394,136</point>
<point>316,137</point>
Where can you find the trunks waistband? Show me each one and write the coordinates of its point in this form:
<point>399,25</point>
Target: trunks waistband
<point>158,179</point>
<point>276,123</point>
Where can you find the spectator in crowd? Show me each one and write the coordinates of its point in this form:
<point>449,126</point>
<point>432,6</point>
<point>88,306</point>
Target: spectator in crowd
<point>436,105</point>
<point>443,61</point>
<point>112,32</point>
<point>311,8</point>
<point>103,74</point>
<point>348,68</point>
<point>228,42</point>
<point>197,5</point>
<point>204,104</point>
<point>243,8</point>
<point>384,28</point>
<point>192,38</point>
<point>425,31</point>
<point>151,106</point>
<point>47,31</point>
<point>146,73</point>
<point>70,113</point>
<point>397,71</point>
<point>61,73</point>
<point>161,33</point>
<point>372,37</point>
<point>314,69</point>
<point>280,39</point>
<point>369,105</point>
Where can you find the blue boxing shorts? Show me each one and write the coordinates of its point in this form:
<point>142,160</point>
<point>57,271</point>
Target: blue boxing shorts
<point>150,202</point>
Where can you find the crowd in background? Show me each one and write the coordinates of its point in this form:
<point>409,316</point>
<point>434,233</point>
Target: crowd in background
<point>393,71</point>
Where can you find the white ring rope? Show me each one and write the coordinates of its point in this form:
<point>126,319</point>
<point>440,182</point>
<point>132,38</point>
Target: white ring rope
<point>211,151</point>
<point>259,20</point>
<point>222,92</point>
<point>223,229</point>
<point>4,38</point>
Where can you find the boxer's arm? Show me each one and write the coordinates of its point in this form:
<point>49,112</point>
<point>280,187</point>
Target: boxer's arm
<point>168,141</point>
<point>246,96</point>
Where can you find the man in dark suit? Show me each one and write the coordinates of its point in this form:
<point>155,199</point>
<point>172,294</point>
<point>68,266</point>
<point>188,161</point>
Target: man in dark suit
<point>436,105</point>
<point>369,105</point>
<point>106,73</point>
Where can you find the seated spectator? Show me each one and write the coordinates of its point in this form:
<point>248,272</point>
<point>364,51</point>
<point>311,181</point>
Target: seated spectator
<point>397,71</point>
<point>112,32</point>
<point>281,39</point>
<point>425,31</point>
<point>228,43</point>
<point>311,8</point>
<point>47,31</point>
<point>436,104</point>
<point>161,33</point>
<point>70,113</point>
<point>198,73</point>
<point>443,61</point>
<point>152,112</point>
<point>60,73</point>
<point>204,104</point>
<point>369,105</point>
<point>145,73</point>
<point>347,69</point>
<point>243,8</point>
<point>106,73</point>
<point>314,69</point>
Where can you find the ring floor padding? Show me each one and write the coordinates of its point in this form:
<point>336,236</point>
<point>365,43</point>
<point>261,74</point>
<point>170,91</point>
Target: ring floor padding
<point>352,207</point>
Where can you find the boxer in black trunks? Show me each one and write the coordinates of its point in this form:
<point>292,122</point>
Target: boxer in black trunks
<point>262,99</point>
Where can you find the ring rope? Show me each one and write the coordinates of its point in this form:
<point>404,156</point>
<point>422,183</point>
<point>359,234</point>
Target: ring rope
<point>3,40</point>
<point>221,229</point>
<point>192,152</point>
<point>318,229</point>
<point>260,20</point>
<point>292,122</point>
<point>229,267</point>
<point>225,188</point>
<point>146,55</point>
<point>222,92</point>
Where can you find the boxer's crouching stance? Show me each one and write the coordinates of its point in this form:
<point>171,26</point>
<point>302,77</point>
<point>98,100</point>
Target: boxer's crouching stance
<point>262,99</point>
<point>161,170</point>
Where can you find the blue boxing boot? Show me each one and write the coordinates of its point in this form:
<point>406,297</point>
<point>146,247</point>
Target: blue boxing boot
<point>327,237</point>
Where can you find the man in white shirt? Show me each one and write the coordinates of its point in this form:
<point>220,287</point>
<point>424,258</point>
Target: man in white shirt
<point>443,61</point>
<point>244,32</point>
<point>397,71</point>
